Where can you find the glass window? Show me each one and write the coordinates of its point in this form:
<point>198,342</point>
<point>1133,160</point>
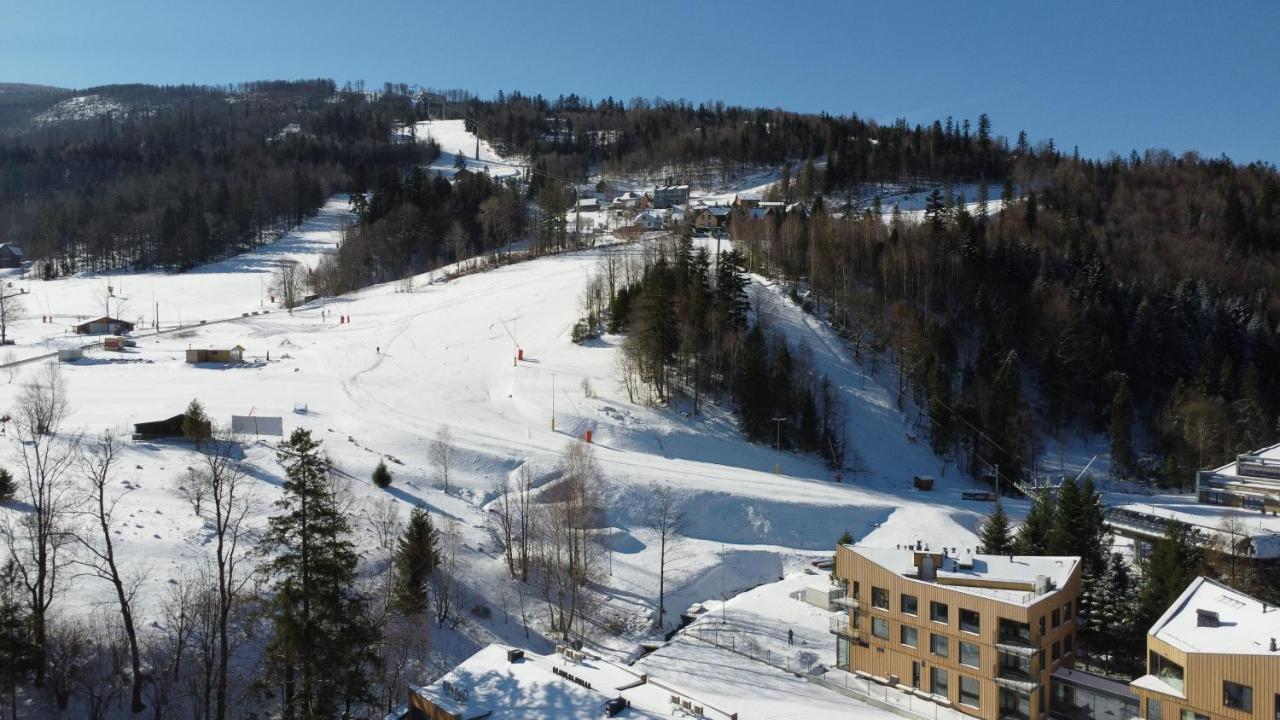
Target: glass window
<point>880,628</point>
<point>909,604</point>
<point>939,612</point>
<point>1066,646</point>
<point>970,654</point>
<point>880,598</point>
<point>1057,652</point>
<point>970,691</point>
<point>1154,709</point>
<point>1013,632</point>
<point>1013,666</point>
<point>1066,613</point>
<point>938,681</point>
<point>910,636</point>
<point>1237,696</point>
<point>938,645</point>
<point>1014,704</point>
<point>1277,706</point>
<point>1041,628</point>
<point>842,653</point>
<point>1168,671</point>
<point>1193,715</point>
<point>970,620</point>
<point>1056,618</point>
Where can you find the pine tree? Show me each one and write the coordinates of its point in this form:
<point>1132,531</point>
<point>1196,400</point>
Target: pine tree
<point>1121,430</point>
<point>19,653</point>
<point>1175,560</point>
<point>753,389</point>
<point>1064,536</point>
<point>381,475</point>
<point>996,536</point>
<point>939,407</point>
<point>322,644</point>
<point>1033,534</point>
<point>417,554</point>
<point>8,487</point>
<point>196,426</point>
<point>1005,416</point>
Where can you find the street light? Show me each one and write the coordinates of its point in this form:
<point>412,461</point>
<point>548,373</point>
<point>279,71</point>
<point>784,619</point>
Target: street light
<point>777,466</point>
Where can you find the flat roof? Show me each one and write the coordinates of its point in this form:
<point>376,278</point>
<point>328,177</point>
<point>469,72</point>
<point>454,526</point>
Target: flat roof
<point>1271,453</point>
<point>1246,625</point>
<point>967,565</point>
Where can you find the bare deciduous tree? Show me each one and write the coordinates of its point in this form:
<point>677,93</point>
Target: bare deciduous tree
<point>667,518</point>
<point>568,544</point>
<point>98,466</point>
<point>232,500</point>
<point>66,645</point>
<point>442,453</point>
<point>37,540</point>
<point>444,579</point>
<point>12,309</point>
<point>289,283</point>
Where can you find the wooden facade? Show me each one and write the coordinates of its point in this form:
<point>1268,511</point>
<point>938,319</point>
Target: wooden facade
<point>1204,675</point>
<point>1048,646</point>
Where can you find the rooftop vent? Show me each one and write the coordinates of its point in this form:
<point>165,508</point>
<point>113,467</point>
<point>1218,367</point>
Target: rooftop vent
<point>1206,618</point>
<point>1042,584</point>
<point>1273,646</point>
<point>515,655</point>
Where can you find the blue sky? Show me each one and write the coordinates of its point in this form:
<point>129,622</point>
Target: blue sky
<point>1104,77</point>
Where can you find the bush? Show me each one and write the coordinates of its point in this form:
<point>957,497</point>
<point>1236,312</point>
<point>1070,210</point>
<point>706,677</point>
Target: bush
<point>8,488</point>
<point>381,475</point>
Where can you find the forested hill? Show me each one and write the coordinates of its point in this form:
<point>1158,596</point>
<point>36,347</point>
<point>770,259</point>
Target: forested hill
<point>144,176</point>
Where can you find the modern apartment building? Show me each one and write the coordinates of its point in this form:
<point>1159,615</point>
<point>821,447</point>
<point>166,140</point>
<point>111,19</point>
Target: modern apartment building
<point>1213,655</point>
<point>1251,482</point>
<point>979,633</point>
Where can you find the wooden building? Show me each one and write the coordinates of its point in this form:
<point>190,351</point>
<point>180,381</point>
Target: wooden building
<point>1213,655</point>
<point>104,326</point>
<point>211,355</point>
<point>11,255</point>
<point>982,634</point>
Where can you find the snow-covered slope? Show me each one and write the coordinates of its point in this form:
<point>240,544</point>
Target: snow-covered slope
<point>454,141</point>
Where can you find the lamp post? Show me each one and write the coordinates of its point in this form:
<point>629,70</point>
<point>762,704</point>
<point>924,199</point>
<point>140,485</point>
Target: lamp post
<point>777,446</point>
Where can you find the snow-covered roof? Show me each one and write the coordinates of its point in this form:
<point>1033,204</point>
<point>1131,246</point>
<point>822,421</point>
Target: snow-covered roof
<point>1245,625</point>
<point>15,250</point>
<point>970,572</point>
<point>1265,456</point>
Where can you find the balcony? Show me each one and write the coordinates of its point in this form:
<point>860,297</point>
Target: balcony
<point>847,601</point>
<point>838,624</point>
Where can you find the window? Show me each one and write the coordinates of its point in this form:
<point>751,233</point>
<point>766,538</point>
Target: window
<point>910,636</point>
<point>938,682</point>
<point>1193,715</point>
<point>1168,671</point>
<point>1041,628</point>
<point>970,691</point>
<point>1154,709</point>
<point>1066,613</point>
<point>857,589</point>
<point>880,628</point>
<point>1057,652</point>
<point>879,598</point>
<point>1066,646</point>
<point>938,645</point>
<point>970,621</point>
<point>939,612</point>
<point>970,654</point>
<point>1237,696</point>
<point>1057,617</point>
<point>1014,704</point>
<point>1013,666</point>
<point>909,604</point>
<point>1012,632</point>
<point>1277,706</point>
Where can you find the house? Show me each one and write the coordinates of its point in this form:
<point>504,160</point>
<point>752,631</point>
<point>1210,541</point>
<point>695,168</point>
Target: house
<point>230,355</point>
<point>981,634</point>
<point>665,197</point>
<point>649,220</point>
<point>588,204</point>
<point>104,326</point>
<point>711,218</point>
<point>1215,653</point>
<point>631,200</point>
<point>1252,482</point>
<point>161,429</point>
<point>501,682</point>
<point>746,201</point>
<point>11,255</point>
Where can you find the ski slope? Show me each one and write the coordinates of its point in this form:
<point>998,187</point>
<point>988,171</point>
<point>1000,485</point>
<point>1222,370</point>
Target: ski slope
<point>454,141</point>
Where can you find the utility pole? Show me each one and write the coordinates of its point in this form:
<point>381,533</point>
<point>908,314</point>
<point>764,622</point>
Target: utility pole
<point>553,402</point>
<point>777,467</point>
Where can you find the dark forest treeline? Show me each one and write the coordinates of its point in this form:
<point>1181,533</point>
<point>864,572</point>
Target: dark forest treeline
<point>1114,296</point>
<point>186,174</point>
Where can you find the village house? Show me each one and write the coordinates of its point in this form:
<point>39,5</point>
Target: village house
<point>665,197</point>
<point>104,326</point>
<point>11,256</point>
<point>229,355</point>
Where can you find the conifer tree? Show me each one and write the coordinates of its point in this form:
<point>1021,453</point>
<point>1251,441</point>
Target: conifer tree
<point>1174,562</point>
<point>996,536</point>
<point>753,389</point>
<point>196,426</point>
<point>1064,536</point>
<point>322,644</point>
<point>417,554</point>
<point>939,404</point>
<point>1033,534</point>
<point>381,475</point>
<point>19,653</point>
<point>1121,430</point>
<point>8,487</point>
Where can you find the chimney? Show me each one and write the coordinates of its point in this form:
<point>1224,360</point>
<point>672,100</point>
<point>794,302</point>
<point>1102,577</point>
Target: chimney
<point>1206,618</point>
<point>928,572</point>
<point>1273,645</point>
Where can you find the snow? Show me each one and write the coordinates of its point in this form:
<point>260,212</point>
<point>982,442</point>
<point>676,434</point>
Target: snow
<point>1247,626</point>
<point>454,140</point>
<point>964,569</point>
